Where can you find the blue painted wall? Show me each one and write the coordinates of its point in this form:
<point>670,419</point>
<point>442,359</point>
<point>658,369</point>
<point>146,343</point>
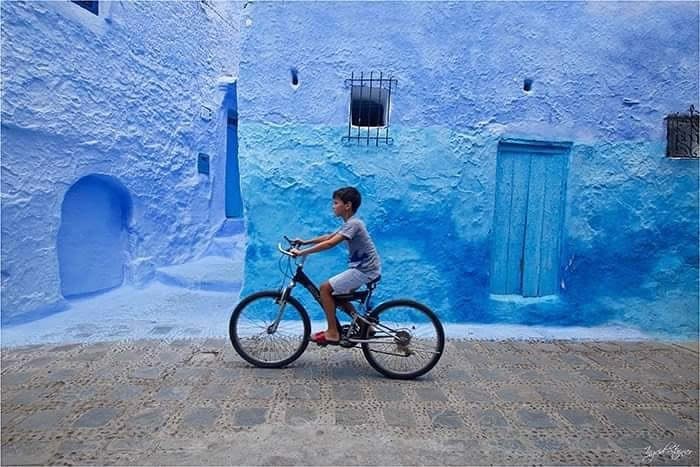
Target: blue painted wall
<point>605,74</point>
<point>118,96</point>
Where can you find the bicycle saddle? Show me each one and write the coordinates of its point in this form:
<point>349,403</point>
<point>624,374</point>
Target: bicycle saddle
<point>360,295</point>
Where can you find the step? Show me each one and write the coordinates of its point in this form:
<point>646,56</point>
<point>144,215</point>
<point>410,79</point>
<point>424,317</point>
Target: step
<point>228,247</point>
<point>212,273</point>
<point>231,227</point>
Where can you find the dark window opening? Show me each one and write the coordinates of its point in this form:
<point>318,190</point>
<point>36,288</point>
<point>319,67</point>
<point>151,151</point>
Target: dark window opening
<point>367,113</point>
<point>370,105</point>
<point>683,135</point>
<point>203,163</point>
<point>92,7</point>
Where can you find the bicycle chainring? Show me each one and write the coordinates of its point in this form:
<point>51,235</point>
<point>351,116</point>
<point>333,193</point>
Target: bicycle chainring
<point>345,334</point>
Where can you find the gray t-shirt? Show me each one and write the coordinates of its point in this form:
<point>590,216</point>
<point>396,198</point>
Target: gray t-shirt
<point>363,254</point>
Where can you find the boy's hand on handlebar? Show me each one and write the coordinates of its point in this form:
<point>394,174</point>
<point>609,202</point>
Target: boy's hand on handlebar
<point>297,252</point>
<point>298,241</point>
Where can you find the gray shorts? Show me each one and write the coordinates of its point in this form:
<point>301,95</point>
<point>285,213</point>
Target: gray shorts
<point>349,280</point>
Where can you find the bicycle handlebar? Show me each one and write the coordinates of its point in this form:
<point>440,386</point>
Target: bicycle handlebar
<point>283,251</point>
<point>293,245</point>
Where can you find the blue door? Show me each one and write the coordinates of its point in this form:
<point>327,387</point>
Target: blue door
<point>528,217</point>
<point>234,205</point>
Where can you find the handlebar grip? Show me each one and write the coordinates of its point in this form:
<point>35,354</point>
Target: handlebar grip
<point>283,251</point>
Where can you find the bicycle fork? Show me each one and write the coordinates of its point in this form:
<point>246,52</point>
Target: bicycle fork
<point>272,328</point>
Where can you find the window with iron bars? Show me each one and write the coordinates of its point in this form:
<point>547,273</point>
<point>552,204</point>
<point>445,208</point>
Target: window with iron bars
<point>683,135</point>
<point>370,108</point>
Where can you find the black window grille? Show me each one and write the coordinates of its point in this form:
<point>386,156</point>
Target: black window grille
<point>683,135</point>
<point>92,7</point>
<point>370,106</point>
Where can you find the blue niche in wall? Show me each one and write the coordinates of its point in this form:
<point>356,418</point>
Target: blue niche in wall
<point>93,236</point>
<point>91,6</point>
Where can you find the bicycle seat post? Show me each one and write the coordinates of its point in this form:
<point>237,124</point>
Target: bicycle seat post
<point>367,302</point>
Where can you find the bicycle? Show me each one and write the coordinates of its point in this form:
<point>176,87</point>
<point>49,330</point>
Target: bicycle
<point>271,329</point>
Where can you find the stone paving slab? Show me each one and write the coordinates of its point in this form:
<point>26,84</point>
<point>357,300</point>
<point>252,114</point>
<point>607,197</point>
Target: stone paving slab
<point>195,402</point>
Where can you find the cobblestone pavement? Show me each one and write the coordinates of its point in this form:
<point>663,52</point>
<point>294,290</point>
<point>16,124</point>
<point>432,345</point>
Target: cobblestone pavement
<point>195,402</point>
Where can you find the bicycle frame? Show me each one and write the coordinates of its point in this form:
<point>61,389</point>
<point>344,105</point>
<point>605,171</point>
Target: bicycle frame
<point>300,277</point>
<point>399,327</point>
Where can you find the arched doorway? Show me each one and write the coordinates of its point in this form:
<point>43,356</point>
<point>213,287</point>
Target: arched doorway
<point>93,236</point>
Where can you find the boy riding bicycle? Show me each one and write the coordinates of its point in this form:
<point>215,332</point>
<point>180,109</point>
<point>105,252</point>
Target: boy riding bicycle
<point>364,264</point>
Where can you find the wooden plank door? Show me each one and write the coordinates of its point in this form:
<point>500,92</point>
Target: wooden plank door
<point>528,219</point>
<point>541,254</point>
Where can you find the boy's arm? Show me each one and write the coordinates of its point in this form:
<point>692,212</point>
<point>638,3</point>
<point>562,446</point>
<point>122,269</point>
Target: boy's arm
<point>316,240</point>
<point>332,240</point>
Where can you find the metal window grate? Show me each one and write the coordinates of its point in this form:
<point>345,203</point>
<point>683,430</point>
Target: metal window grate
<point>91,6</point>
<point>683,135</point>
<point>370,107</point>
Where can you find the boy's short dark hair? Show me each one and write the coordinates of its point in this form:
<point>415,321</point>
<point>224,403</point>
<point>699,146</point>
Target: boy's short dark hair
<point>349,194</point>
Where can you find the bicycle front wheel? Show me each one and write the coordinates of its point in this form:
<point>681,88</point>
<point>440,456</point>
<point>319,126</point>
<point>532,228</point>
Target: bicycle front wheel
<point>407,340</point>
<point>257,341</point>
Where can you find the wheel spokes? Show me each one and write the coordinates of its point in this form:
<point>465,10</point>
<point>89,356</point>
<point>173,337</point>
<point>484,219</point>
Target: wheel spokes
<point>253,334</point>
<point>409,340</point>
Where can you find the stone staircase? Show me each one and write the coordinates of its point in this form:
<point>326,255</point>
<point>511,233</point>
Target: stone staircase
<point>221,267</point>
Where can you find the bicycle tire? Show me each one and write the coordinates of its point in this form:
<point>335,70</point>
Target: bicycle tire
<point>235,323</point>
<point>431,320</point>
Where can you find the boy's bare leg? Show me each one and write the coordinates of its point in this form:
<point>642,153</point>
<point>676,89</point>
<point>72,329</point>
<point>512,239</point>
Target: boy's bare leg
<point>328,303</point>
<point>347,306</point>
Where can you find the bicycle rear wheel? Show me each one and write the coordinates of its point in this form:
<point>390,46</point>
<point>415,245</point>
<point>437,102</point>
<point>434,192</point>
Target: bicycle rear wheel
<point>256,342</point>
<point>407,342</point>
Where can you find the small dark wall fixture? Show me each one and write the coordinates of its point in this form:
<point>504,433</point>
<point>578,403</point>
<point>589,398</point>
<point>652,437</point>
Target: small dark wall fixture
<point>91,6</point>
<point>295,77</point>
<point>527,85</point>
<point>683,135</point>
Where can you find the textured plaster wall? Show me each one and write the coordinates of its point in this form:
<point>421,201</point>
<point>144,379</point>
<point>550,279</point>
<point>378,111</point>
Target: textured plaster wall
<point>605,75</point>
<point>118,95</point>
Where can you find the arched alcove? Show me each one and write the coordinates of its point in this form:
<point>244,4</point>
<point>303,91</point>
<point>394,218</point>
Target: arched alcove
<point>93,236</point>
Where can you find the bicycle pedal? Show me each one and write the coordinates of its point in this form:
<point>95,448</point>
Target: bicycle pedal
<point>347,344</point>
